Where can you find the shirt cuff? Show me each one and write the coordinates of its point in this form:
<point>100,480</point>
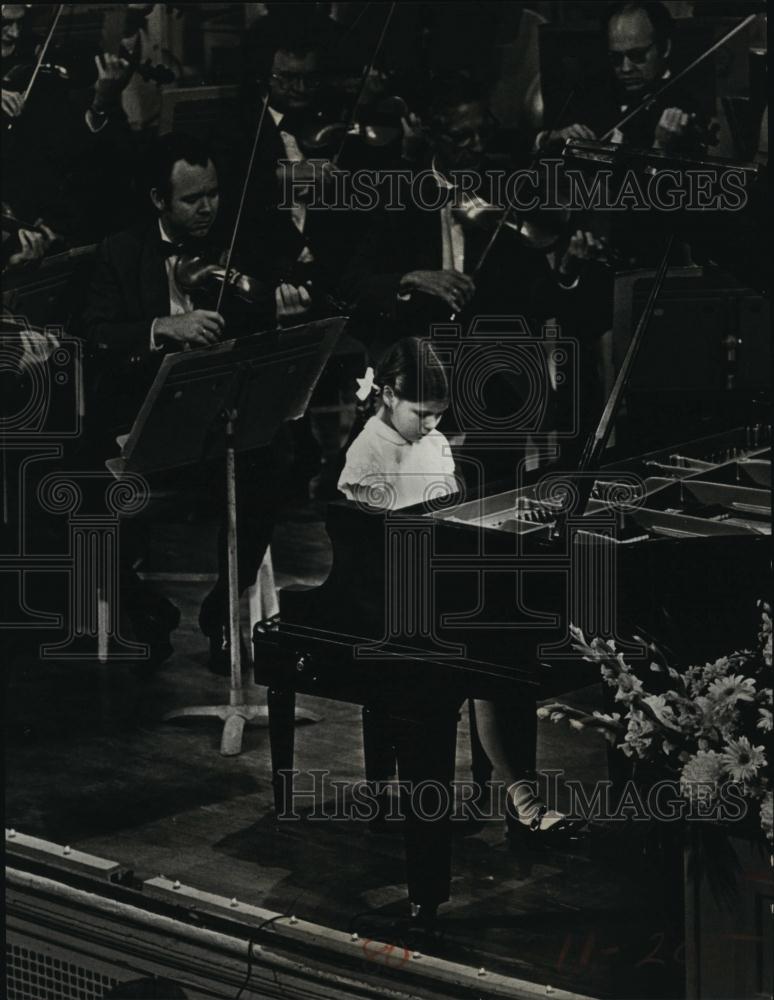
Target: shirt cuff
<point>563,282</point>
<point>154,345</point>
<point>90,117</point>
<point>540,139</point>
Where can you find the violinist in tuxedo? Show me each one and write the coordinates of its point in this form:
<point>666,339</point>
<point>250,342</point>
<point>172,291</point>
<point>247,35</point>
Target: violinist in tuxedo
<point>638,37</point>
<point>138,311</point>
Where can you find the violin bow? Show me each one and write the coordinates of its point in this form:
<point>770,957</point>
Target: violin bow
<point>43,51</point>
<point>364,81</point>
<point>508,210</point>
<point>243,199</point>
<point>681,75</point>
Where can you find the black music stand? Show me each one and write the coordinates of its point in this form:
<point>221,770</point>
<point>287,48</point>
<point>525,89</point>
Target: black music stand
<point>209,404</point>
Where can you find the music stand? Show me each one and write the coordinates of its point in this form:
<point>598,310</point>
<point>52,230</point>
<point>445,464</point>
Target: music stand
<point>209,404</point>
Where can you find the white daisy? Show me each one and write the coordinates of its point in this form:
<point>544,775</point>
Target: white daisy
<point>731,689</point>
<point>741,760</point>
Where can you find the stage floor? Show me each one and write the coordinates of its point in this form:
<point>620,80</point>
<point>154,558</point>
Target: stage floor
<point>90,764</point>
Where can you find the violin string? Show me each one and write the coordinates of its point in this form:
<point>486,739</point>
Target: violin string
<point>42,53</point>
<point>364,82</point>
<point>679,76</point>
<point>242,199</point>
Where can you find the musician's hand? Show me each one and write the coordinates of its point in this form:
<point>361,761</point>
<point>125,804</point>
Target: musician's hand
<point>199,328</point>
<point>452,287</point>
<point>113,74</point>
<point>49,235</point>
<point>583,247</point>
<point>292,301</point>
<point>672,126</point>
<point>12,102</point>
<point>33,246</point>
<point>554,140</point>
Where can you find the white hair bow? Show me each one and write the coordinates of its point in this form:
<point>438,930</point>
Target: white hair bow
<point>365,385</point>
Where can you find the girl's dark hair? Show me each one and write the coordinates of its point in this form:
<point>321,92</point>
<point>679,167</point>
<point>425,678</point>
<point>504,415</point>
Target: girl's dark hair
<point>413,371</point>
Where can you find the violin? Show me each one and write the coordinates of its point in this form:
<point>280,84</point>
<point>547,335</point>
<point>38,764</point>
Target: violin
<point>11,224</point>
<point>77,69</point>
<point>204,271</point>
<point>538,229</point>
<point>371,115</point>
<point>372,126</point>
<point>616,154</point>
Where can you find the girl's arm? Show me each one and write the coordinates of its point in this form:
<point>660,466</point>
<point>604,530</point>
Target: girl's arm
<point>380,495</point>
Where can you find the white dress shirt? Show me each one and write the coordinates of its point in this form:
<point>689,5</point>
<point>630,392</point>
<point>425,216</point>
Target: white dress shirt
<point>452,232</point>
<point>294,154</point>
<point>179,301</point>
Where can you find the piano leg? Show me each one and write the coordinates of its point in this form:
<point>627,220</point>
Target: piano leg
<point>379,755</point>
<point>281,703</point>
<point>426,743</point>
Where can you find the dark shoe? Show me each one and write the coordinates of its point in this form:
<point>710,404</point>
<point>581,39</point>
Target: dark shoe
<point>534,836</point>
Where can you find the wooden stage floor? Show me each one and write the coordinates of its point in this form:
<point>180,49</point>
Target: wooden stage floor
<point>90,764</point>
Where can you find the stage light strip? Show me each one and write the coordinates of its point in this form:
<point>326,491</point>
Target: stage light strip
<point>21,845</point>
<point>412,966</point>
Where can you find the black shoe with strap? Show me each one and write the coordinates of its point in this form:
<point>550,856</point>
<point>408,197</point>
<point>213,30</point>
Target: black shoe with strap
<point>535,836</point>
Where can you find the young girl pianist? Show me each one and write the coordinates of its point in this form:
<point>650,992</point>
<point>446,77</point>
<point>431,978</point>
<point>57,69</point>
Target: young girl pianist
<point>400,458</point>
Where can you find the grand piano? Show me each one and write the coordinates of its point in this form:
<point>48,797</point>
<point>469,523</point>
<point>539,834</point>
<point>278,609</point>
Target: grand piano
<point>429,605</point>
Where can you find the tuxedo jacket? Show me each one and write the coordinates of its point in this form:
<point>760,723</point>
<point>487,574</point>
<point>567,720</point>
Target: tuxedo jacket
<point>129,289</point>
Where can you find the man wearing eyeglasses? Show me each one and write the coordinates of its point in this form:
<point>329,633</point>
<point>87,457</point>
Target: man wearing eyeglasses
<point>639,45</point>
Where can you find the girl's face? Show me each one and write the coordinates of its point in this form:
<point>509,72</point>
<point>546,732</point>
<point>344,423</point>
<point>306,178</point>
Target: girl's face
<point>412,420</point>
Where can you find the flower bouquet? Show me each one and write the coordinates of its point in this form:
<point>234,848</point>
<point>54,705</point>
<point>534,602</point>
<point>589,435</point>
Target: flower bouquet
<point>708,728</point>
